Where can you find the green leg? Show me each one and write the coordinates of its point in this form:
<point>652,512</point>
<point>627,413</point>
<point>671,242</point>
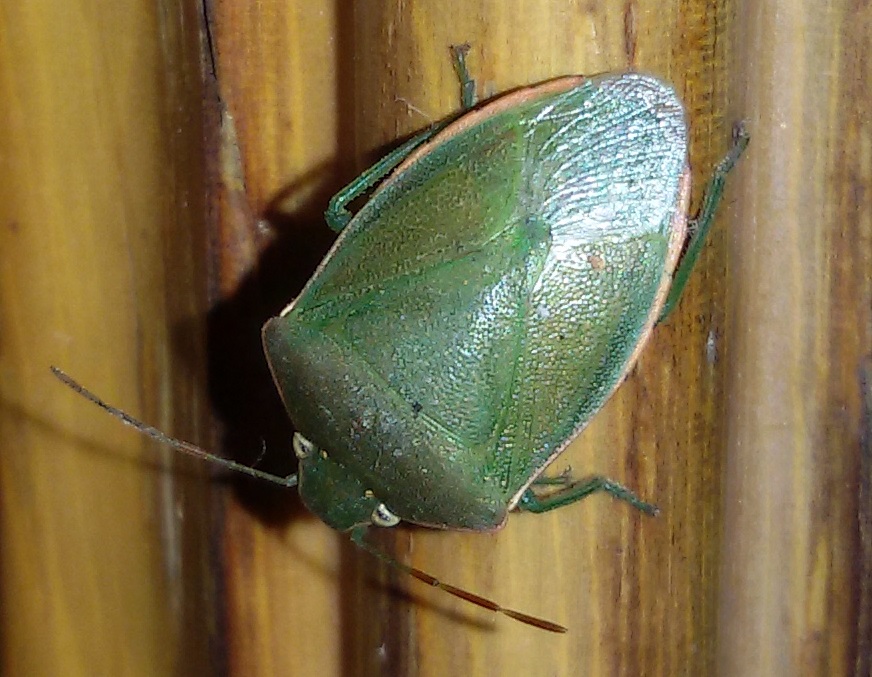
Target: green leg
<point>468,98</point>
<point>337,214</point>
<point>699,226</point>
<point>532,502</point>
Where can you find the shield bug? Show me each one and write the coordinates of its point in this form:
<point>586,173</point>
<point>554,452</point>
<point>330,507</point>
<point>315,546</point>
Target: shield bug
<point>482,306</point>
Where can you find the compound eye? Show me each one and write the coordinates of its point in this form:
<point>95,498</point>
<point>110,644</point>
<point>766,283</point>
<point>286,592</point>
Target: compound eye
<point>303,448</point>
<point>382,517</point>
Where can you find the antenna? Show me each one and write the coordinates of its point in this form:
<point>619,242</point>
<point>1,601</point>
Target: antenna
<point>357,534</point>
<point>163,438</point>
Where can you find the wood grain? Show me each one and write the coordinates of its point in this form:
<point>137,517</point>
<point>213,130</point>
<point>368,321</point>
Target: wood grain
<point>104,553</point>
<point>161,193</point>
<point>800,326</point>
<point>639,595</point>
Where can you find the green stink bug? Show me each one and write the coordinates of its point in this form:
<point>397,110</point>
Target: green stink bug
<point>482,306</point>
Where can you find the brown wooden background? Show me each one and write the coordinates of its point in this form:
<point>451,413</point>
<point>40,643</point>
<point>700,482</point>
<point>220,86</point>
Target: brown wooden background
<point>161,190</point>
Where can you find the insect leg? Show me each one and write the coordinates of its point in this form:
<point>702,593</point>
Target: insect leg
<point>699,226</point>
<point>468,98</point>
<point>337,214</point>
<point>533,502</point>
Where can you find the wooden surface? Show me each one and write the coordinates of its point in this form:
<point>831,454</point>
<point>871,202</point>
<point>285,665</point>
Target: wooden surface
<point>799,327</point>
<point>104,565</point>
<point>742,422</point>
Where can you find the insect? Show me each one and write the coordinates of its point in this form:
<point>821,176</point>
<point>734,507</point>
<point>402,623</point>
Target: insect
<point>482,306</point>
